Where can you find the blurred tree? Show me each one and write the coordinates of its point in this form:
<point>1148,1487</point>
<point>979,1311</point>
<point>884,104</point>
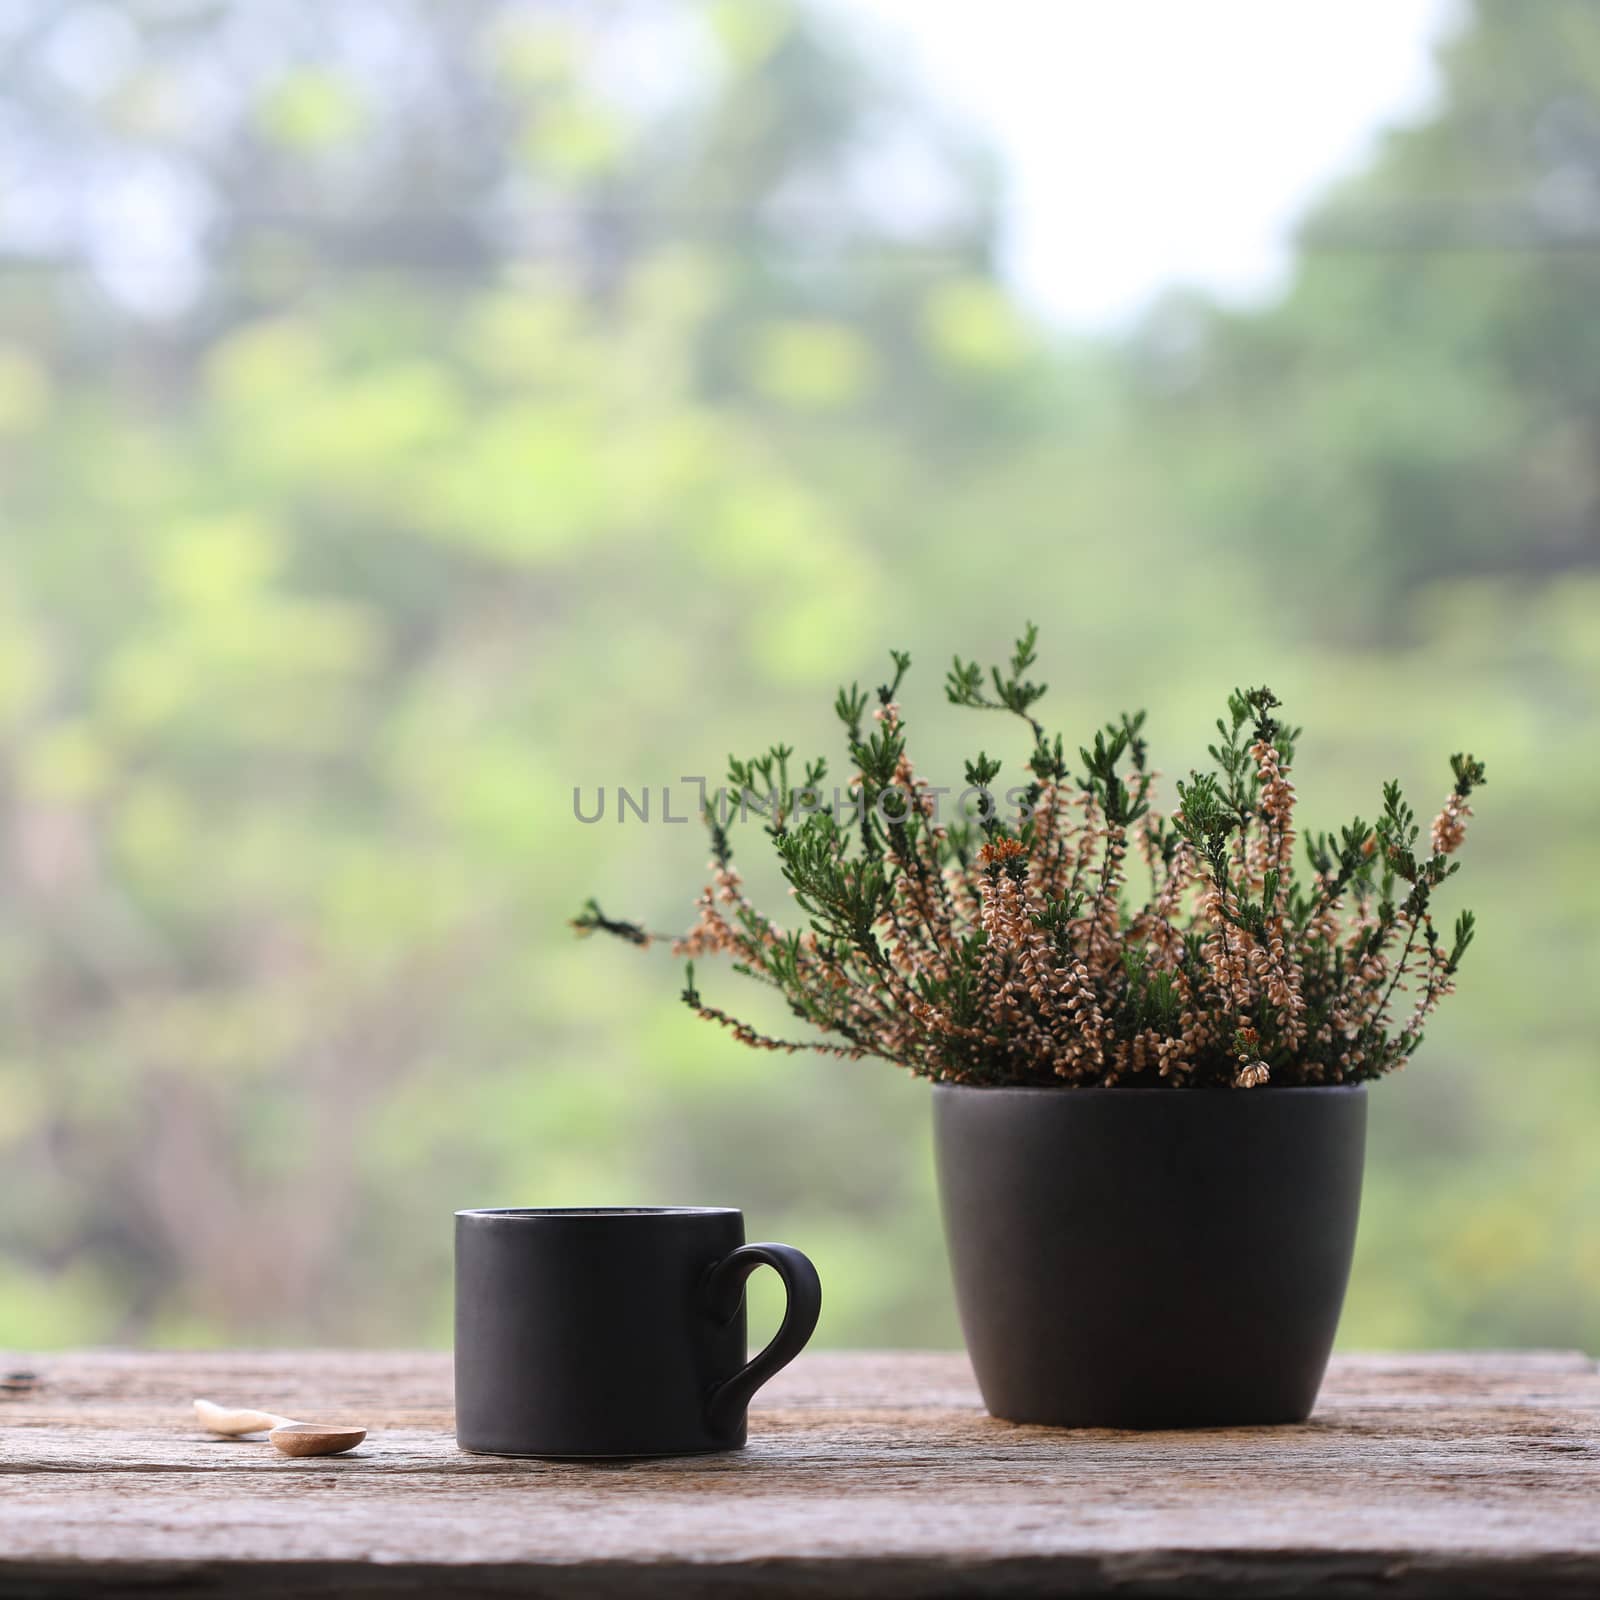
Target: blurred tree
<point>410,410</point>
<point>386,394</point>
<point>1424,401</point>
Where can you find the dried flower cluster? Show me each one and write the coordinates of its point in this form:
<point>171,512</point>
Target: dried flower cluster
<point>995,948</point>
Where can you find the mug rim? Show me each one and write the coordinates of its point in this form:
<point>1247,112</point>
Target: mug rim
<point>597,1213</point>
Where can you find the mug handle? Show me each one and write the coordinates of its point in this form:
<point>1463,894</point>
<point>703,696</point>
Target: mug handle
<point>725,1406</point>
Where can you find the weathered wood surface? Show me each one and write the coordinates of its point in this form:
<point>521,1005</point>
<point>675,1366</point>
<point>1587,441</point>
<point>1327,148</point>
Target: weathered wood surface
<point>866,1474</point>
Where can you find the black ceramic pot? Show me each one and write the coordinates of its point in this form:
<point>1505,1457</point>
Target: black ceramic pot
<point>1150,1258</point>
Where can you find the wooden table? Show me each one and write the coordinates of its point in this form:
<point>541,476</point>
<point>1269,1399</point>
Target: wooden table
<point>866,1474</point>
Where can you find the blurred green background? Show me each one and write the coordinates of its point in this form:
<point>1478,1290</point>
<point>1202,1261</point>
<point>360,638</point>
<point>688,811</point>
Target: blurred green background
<point>541,395</point>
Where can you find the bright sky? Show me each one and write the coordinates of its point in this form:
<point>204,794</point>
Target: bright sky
<point>1153,142</point>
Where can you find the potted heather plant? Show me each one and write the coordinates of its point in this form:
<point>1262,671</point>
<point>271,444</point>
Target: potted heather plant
<point>1150,1035</point>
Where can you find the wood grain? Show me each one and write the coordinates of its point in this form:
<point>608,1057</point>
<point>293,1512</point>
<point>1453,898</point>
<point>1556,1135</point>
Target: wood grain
<point>866,1474</point>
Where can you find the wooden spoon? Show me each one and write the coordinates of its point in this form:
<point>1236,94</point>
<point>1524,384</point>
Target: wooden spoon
<point>291,1437</point>
<point>233,1421</point>
<point>316,1438</point>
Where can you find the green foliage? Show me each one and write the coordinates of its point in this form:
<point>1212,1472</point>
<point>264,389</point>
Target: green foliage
<point>322,591</point>
<point>1120,807</point>
<point>964,684</point>
<point>1020,963</point>
<point>592,919</point>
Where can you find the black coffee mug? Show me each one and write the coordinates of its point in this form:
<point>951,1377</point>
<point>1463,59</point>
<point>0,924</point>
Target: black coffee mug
<point>614,1332</point>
